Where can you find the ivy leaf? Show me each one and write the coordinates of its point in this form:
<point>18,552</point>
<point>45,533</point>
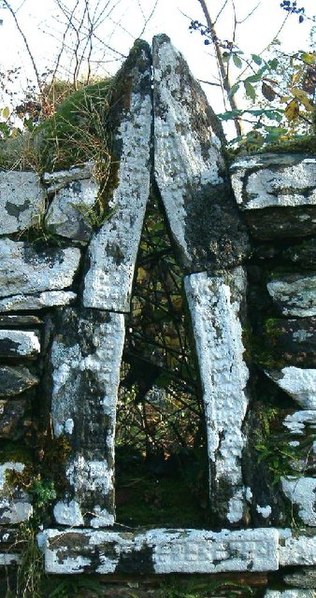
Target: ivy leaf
<point>237,61</point>
<point>268,92</point>
<point>250,90</point>
<point>292,110</point>
<point>257,59</point>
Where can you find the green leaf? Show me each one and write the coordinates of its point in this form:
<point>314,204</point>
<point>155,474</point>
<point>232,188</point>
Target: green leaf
<point>234,89</point>
<point>250,90</point>
<point>5,112</point>
<point>308,57</point>
<point>257,59</point>
<point>273,64</point>
<point>237,61</point>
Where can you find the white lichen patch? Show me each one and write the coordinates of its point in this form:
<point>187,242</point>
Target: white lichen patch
<point>236,506</point>
<point>214,304</point>
<point>38,301</point>
<point>14,505</point>
<point>22,201</point>
<point>23,343</point>
<point>26,271</point>
<point>295,295</point>
<point>302,493</point>
<point>258,188</point>
<point>68,513</point>
<point>265,512</point>
<point>113,250</point>
<point>102,518</point>
<point>299,383</point>
<point>181,163</point>
<point>89,476</point>
<point>297,422</point>
<point>297,548</point>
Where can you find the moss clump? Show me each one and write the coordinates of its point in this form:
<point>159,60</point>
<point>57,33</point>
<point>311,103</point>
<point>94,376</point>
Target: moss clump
<point>302,144</point>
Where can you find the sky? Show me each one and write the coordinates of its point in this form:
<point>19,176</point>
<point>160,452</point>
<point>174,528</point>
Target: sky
<point>125,20</point>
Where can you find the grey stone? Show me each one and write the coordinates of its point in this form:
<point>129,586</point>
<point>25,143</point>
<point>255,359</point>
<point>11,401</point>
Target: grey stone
<point>22,201</point>
<point>297,547</point>
<point>294,294</point>
<point>25,270</point>
<point>14,504</point>
<point>277,193</point>
<point>37,301</point>
<point>11,418</point>
<point>303,578</point>
<point>19,343</point>
<point>292,341</point>
<point>215,305</point>
<point>15,380</point>
<point>301,491</point>
<point>302,593</point>
<point>302,254</point>
<point>60,178</point>
<point>69,214</point>
<point>113,250</point>
<point>85,361</point>
<point>19,321</point>
<point>160,551</point>
<point>299,383</point>
<point>189,168</point>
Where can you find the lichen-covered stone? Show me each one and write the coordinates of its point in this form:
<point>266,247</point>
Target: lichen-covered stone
<point>302,593</point>
<point>297,548</point>
<point>37,301</point>
<point>15,380</point>
<point>113,250</point>
<point>70,213</point>
<point>26,270</point>
<point>85,360</point>
<point>19,343</point>
<point>303,254</point>
<point>189,167</point>
<point>299,383</point>
<point>292,341</point>
<point>277,193</point>
<point>22,201</point>
<point>305,577</point>
<point>20,321</point>
<point>160,551</point>
<point>11,416</point>
<point>215,305</point>
<point>294,294</point>
<point>14,504</point>
<point>302,493</point>
<point>60,178</point>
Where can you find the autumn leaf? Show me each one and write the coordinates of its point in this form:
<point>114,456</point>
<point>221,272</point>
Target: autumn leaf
<point>292,110</point>
<point>303,98</point>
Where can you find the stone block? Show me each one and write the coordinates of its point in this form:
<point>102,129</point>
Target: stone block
<point>37,301</point>
<point>277,193</point>
<point>19,343</point>
<point>113,249</point>
<point>22,201</point>
<point>215,305</point>
<point>189,168</point>
<point>301,491</point>
<point>11,418</point>
<point>298,383</point>
<point>294,294</point>
<point>14,504</point>
<point>55,181</point>
<point>15,379</point>
<point>292,341</point>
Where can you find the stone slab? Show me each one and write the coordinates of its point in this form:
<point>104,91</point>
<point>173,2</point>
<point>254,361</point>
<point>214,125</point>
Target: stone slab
<point>294,294</point>
<point>296,593</point>
<point>22,201</point>
<point>19,343</point>
<point>60,178</point>
<point>302,493</point>
<point>297,547</point>
<point>14,504</point>
<point>189,168</point>
<point>19,321</point>
<point>298,383</point>
<point>160,551</point>
<point>11,418</point>
<point>70,212</point>
<point>37,301</point>
<point>277,193</point>
<point>113,250</point>
<point>85,363</point>
<point>215,304</point>
<point>15,379</point>
<point>25,270</point>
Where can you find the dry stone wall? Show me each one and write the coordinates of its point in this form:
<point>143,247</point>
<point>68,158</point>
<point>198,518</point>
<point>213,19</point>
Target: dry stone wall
<point>245,241</point>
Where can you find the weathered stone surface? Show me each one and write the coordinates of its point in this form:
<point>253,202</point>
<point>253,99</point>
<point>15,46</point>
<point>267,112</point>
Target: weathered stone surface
<point>60,178</point>
<point>37,301</point>
<point>15,380</point>
<point>294,294</point>
<point>189,167</point>
<point>19,343</point>
<point>24,270</point>
<point>160,551</point>
<point>299,383</point>
<point>85,359</point>
<point>302,593</point>
<point>19,321</point>
<point>302,493</point>
<point>292,341</point>
<point>69,213</point>
<point>305,577</point>
<point>11,414</point>
<point>303,254</point>
<point>14,504</point>
<point>22,201</point>
<point>277,193</point>
<point>215,306</point>
<point>113,250</point>
<point>297,548</point>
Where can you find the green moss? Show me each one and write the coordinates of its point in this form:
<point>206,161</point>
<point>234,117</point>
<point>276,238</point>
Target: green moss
<point>303,144</point>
